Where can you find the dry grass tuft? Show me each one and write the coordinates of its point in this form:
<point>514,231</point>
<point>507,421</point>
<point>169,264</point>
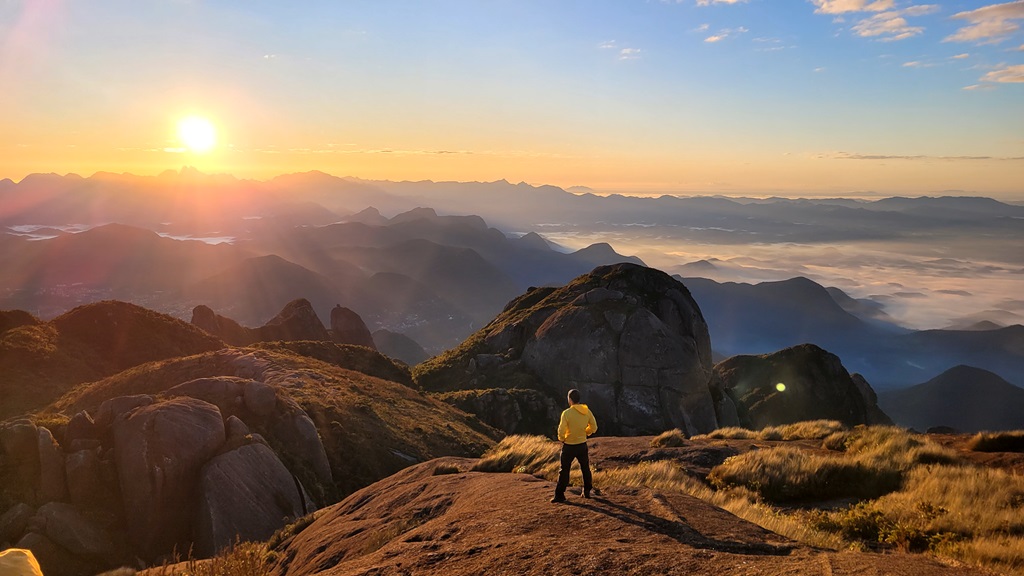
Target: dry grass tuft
<point>1010,441</point>
<point>242,559</point>
<point>811,429</point>
<point>524,454</point>
<point>669,438</point>
<point>728,433</point>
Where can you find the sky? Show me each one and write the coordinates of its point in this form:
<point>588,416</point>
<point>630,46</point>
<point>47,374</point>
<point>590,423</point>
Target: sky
<point>734,97</point>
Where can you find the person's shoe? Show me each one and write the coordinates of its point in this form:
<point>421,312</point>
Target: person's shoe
<point>586,493</point>
<point>558,499</point>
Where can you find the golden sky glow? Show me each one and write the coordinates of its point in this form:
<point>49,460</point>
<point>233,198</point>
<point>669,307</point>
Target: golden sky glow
<point>752,98</point>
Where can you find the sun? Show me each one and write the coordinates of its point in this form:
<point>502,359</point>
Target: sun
<point>197,134</point>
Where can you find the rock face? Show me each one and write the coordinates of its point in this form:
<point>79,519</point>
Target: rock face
<point>159,451</point>
<point>814,385</point>
<point>247,494</point>
<point>513,411</point>
<point>348,328</point>
<point>630,338</point>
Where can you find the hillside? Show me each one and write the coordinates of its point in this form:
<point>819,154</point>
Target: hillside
<point>42,360</point>
<point>195,452</point>
<point>964,398</point>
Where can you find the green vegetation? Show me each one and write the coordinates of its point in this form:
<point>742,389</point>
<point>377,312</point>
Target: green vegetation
<point>906,492</point>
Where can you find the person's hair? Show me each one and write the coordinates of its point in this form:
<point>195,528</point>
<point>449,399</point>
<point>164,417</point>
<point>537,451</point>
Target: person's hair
<point>574,395</point>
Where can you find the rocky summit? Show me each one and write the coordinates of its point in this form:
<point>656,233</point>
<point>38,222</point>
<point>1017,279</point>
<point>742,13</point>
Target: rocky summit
<point>799,383</point>
<point>630,338</point>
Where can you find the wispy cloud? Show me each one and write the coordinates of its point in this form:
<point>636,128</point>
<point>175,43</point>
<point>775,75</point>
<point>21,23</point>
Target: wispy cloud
<point>608,44</point>
<point>844,6</point>
<point>989,24</point>
<point>1005,74</point>
<point>853,156</point>
<point>961,56</point>
<point>710,2</point>
<point>725,33</point>
<point>891,25</point>
<point>629,54</point>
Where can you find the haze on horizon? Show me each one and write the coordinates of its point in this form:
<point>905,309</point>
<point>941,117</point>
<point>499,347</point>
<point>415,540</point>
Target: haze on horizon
<point>734,97</point>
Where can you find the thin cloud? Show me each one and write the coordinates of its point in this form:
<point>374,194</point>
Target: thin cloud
<point>851,156</point>
<point>725,33</point>
<point>961,56</point>
<point>844,6</point>
<point>608,44</point>
<point>988,24</point>
<point>629,54</point>
<point>1006,74</point>
<point>891,25</point>
<point>710,2</point>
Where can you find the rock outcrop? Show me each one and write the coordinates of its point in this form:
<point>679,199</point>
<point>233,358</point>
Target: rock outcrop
<point>348,328</point>
<point>297,321</point>
<point>630,338</point>
<point>159,450</point>
<point>515,411</point>
<point>799,383</point>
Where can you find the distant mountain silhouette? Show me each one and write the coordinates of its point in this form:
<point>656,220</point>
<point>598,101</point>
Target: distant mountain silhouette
<point>965,398</point>
<point>256,289</point>
<point>399,347</point>
<point>760,318</point>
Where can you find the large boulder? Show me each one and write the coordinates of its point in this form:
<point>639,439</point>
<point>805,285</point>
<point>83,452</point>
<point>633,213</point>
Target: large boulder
<point>66,526</point>
<point>631,338</point>
<point>245,494</point>
<point>53,484</point>
<point>799,383</point>
<point>348,328</point>
<point>159,450</point>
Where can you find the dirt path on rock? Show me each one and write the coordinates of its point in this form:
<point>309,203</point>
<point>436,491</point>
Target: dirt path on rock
<point>471,523</point>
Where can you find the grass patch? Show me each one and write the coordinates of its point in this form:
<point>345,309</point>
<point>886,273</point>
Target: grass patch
<point>872,463</point>
<point>669,438</point>
<point>1011,441</point>
<point>522,454</point>
<point>812,430</point>
<point>242,559</point>
<point>444,469</point>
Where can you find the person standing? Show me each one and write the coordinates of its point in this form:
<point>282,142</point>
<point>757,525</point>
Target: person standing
<point>575,425</point>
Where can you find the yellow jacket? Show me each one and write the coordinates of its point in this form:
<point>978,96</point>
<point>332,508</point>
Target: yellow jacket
<point>577,422</point>
<point>19,562</point>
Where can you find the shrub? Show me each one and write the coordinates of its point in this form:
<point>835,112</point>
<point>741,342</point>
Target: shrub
<point>1011,441</point>
<point>669,438</point>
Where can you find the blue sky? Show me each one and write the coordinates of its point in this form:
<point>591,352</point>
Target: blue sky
<point>689,96</point>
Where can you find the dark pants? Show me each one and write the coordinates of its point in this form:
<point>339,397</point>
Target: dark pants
<point>579,453</point>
